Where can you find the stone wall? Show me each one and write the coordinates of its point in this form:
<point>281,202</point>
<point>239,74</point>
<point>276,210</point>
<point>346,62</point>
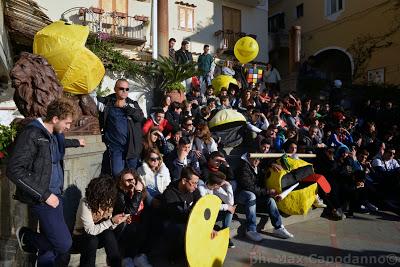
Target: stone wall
<point>81,165</point>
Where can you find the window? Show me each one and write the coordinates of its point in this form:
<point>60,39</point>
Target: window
<point>333,6</point>
<point>276,22</point>
<point>300,11</point>
<point>186,18</point>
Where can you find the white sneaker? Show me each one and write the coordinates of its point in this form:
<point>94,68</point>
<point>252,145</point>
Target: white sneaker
<point>254,236</point>
<point>283,233</point>
<point>141,261</point>
<point>318,203</point>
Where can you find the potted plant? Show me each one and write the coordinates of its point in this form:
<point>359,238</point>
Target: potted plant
<point>168,77</point>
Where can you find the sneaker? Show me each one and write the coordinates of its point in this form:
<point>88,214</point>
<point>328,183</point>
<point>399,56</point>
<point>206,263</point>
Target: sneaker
<point>141,261</point>
<point>371,207</point>
<point>318,203</point>
<point>20,233</point>
<point>231,245</point>
<point>283,233</point>
<point>254,236</point>
<point>363,210</point>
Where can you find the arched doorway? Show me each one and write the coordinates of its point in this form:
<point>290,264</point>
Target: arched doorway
<point>335,63</point>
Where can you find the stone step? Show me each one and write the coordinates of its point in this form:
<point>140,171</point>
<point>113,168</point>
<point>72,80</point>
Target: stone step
<point>237,228</point>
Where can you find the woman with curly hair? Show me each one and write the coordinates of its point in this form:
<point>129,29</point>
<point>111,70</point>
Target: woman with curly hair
<point>94,222</point>
<point>155,175</point>
<point>203,143</point>
<point>131,235</point>
<point>154,139</point>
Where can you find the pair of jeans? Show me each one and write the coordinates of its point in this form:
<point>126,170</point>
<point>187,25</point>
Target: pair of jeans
<point>205,81</point>
<point>249,201</point>
<point>54,240</point>
<point>226,218</point>
<point>87,245</point>
<point>118,160</point>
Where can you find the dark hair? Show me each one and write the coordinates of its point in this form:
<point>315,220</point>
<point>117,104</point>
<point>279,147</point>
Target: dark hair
<point>211,100</point>
<point>175,105</point>
<point>186,119</point>
<point>205,111</point>
<point>205,46</point>
<point>266,141</point>
<point>287,144</point>
<point>188,172</point>
<point>216,178</point>
<point>184,140</point>
<point>184,42</point>
<point>171,40</point>
<point>159,110</point>
<point>215,154</point>
<point>223,98</point>
<point>60,108</point>
<point>135,175</point>
<point>101,193</point>
<point>164,100</point>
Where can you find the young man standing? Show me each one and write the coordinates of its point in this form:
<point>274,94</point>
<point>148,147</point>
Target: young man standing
<point>36,168</point>
<point>171,44</point>
<point>204,64</point>
<point>183,56</point>
<point>121,122</point>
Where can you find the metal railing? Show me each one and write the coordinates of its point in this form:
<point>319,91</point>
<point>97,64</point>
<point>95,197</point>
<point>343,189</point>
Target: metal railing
<point>114,24</point>
<point>228,38</point>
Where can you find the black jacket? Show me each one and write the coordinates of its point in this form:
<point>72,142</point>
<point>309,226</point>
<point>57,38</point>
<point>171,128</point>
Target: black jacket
<point>177,205</point>
<point>30,163</point>
<point>248,180</point>
<point>135,119</point>
<point>125,204</point>
<point>183,57</point>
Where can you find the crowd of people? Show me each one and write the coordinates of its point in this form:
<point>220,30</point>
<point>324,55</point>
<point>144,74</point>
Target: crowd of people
<point>156,168</point>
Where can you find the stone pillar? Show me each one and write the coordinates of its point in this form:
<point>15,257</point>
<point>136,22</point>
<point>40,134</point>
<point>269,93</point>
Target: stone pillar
<point>163,35</point>
<point>294,48</point>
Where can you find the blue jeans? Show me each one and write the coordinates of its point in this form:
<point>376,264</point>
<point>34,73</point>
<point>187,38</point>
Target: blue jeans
<point>249,200</point>
<point>205,80</point>
<point>118,161</point>
<point>225,217</point>
<point>54,240</point>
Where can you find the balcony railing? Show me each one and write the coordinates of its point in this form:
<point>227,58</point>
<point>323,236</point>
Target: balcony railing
<point>228,38</point>
<point>117,25</point>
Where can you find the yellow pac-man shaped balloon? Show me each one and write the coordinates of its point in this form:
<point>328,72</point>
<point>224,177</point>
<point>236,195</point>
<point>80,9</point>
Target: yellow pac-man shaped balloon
<point>63,45</point>
<point>201,250</point>
<point>222,81</point>
<point>246,49</point>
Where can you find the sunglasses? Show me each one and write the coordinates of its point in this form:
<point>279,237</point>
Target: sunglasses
<point>131,181</point>
<point>123,89</point>
<point>155,159</point>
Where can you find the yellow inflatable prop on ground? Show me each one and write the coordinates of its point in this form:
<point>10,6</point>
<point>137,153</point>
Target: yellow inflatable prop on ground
<point>246,49</point>
<point>222,81</point>
<point>63,45</point>
<point>300,200</point>
<point>201,250</point>
<point>225,116</point>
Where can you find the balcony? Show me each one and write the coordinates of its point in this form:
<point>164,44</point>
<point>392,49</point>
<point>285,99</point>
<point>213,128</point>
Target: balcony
<point>115,25</point>
<point>251,3</point>
<point>228,38</point>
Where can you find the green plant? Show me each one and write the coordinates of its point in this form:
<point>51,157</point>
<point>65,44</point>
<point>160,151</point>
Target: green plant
<point>112,59</point>
<point>7,135</point>
<point>166,72</point>
<point>175,86</point>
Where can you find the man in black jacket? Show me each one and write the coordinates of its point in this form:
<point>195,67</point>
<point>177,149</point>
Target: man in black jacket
<point>177,201</point>
<point>250,181</point>
<point>121,122</point>
<point>183,56</point>
<point>36,167</point>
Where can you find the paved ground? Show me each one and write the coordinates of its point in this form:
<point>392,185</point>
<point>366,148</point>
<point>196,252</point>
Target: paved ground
<point>365,240</point>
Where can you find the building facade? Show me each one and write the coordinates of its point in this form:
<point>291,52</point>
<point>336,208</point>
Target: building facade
<point>338,33</point>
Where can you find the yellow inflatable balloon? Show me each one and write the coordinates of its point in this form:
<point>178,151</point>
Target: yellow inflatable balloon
<point>201,250</point>
<point>63,45</point>
<point>246,49</point>
<point>222,81</point>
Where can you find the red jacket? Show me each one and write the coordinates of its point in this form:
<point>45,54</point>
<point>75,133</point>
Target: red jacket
<point>162,126</point>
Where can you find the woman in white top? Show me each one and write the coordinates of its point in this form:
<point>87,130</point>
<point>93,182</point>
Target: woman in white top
<point>155,176</point>
<point>94,223</point>
<point>203,143</point>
